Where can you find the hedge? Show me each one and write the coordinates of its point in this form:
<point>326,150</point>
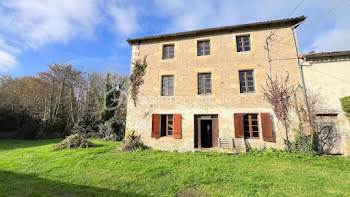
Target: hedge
<point>345,103</point>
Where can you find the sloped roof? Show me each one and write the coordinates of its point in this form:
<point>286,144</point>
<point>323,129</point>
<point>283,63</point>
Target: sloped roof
<point>265,24</point>
<point>326,54</point>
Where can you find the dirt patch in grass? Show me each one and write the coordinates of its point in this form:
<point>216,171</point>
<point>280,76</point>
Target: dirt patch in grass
<point>192,191</point>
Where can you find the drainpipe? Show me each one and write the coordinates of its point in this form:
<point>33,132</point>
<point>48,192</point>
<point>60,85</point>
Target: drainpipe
<point>301,72</point>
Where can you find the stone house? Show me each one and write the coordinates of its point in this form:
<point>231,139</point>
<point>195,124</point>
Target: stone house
<point>328,75</point>
<point>203,89</point>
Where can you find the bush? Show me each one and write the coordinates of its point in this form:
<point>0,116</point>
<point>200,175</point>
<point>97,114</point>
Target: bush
<point>345,103</point>
<point>304,144</point>
<point>87,126</point>
<point>74,141</point>
<point>132,143</point>
<point>112,129</point>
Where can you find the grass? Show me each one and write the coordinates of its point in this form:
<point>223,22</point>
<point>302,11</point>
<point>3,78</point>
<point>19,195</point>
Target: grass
<point>33,168</point>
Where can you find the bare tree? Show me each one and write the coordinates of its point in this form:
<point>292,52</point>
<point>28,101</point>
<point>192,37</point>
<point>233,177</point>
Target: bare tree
<point>278,93</point>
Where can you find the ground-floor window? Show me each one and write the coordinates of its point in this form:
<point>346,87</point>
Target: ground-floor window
<point>167,125</point>
<point>251,126</point>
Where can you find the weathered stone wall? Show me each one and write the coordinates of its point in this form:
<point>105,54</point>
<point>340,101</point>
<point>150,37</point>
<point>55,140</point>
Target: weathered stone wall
<point>330,79</point>
<point>223,63</point>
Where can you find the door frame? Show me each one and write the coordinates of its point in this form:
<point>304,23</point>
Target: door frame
<point>197,129</point>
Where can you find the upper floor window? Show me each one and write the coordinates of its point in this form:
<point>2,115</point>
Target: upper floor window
<point>246,81</point>
<point>243,43</point>
<point>204,83</point>
<point>168,85</point>
<point>251,127</point>
<point>168,51</point>
<point>203,48</point>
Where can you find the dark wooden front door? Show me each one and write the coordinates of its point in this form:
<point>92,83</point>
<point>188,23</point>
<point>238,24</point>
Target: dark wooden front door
<point>206,132</point>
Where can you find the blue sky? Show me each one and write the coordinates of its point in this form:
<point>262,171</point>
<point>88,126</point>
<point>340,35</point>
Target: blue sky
<point>91,34</point>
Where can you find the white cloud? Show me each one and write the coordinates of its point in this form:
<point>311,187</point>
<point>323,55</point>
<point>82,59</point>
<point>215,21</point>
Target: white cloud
<point>333,40</point>
<point>125,19</point>
<point>188,15</point>
<point>7,62</point>
<point>329,33</point>
<point>6,47</point>
<point>42,22</point>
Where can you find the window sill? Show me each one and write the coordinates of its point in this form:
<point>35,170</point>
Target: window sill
<point>248,93</point>
<point>166,137</point>
<point>253,138</point>
<point>204,94</point>
<point>243,51</point>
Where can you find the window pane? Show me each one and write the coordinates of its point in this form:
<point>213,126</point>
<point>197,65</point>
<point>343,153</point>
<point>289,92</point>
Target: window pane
<point>246,38</point>
<point>208,76</point>
<point>254,122</point>
<point>164,85</point>
<point>200,48</point>
<point>254,116</point>
<point>255,128</point>
<point>208,83</point>
<point>200,52</point>
<point>171,85</point>
<point>255,134</point>
<point>250,83</point>
<point>251,89</point>
<point>246,123</point>
<point>246,134</point>
<point>200,83</point>
<point>207,51</point>
<point>165,52</point>
<point>207,48</point>
<point>246,48</point>
<point>170,124</point>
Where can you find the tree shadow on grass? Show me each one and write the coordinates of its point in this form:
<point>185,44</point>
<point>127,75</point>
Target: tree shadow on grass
<point>14,184</point>
<point>9,144</point>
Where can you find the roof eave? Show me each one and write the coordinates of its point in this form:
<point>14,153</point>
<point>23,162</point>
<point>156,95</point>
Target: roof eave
<point>293,21</point>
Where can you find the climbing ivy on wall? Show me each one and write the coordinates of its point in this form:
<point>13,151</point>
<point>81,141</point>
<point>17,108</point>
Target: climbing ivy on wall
<point>136,77</point>
<point>345,103</point>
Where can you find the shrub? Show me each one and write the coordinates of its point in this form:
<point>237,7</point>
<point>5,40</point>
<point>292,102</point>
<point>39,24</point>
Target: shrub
<point>132,143</point>
<point>113,129</point>
<point>345,103</point>
<point>87,126</point>
<point>304,144</point>
<point>74,141</point>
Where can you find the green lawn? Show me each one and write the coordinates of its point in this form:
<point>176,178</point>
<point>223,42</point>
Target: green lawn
<point>33,168</point>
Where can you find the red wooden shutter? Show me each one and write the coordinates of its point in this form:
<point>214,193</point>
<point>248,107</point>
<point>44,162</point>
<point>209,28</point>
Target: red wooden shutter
<point>266,127</point>
<point>155,125</point>
<point>177,126</point>
<point>238,119</point>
